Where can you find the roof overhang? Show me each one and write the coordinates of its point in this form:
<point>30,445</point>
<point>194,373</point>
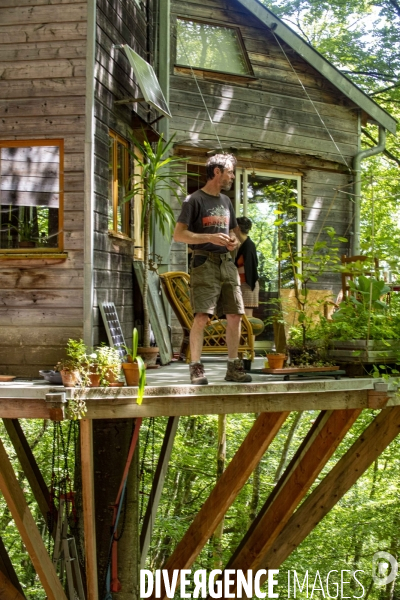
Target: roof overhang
<point>323,66</point>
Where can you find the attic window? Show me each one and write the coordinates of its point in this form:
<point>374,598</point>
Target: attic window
<point>211,47</point>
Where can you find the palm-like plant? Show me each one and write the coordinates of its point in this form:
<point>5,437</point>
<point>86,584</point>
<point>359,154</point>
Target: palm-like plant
<point>152,176</point>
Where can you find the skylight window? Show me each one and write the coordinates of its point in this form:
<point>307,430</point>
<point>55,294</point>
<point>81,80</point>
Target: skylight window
<point>211,47</point>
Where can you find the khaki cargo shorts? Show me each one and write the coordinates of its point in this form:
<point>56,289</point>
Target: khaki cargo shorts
<point>215,284</point>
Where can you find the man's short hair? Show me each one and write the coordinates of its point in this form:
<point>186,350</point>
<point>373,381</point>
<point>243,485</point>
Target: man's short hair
<point>245,224</point>
<point>220,161</point>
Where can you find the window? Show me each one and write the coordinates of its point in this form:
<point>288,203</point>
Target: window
<point>211,47</point>
<point>119,172</point>
<point>31,195</point>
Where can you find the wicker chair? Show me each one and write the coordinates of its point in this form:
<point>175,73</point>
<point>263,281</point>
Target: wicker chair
<point>176,288</point>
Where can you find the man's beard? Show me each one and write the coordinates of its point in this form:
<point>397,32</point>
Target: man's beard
<point>227,186</point>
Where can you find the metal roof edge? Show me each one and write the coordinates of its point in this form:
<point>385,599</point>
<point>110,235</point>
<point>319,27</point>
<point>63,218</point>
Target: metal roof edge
<point>321,64</point>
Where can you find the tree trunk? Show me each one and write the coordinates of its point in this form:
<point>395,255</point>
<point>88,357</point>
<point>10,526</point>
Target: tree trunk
<point>221,456</point>
<point>286,447</point>
<point>111,445</point>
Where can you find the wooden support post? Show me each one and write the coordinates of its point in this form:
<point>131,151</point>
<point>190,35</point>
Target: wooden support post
<point>224,493</point>
<point>316,449</point>
<point>7,570</point>
<point>8,591</point>
<point>372,442</point>
<point>28,530</point>
<point>29,465</point>
<point>156,488</point>
<point>86,430</point>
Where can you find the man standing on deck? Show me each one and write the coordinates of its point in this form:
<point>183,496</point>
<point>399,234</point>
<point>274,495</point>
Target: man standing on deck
<point>207,223</point>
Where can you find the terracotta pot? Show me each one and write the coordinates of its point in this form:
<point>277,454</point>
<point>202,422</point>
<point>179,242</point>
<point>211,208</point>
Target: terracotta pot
<point>276,361</point>
<point>110,377</point>
<point>131,372</point>
<point>94,379</point>
<point>70,378</point>
<point>149,355</point>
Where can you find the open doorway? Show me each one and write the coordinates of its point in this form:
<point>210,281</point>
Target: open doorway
<point>271,201</point>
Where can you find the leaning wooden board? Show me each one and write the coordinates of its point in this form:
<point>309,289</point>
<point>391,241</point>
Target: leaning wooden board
<point>157,314</point>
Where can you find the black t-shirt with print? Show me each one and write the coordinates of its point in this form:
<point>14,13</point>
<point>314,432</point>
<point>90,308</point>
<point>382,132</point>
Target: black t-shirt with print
<point>203,213</point>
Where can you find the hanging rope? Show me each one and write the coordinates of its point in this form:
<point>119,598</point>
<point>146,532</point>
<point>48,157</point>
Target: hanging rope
<point>202,97</point>
<point>311,100</point>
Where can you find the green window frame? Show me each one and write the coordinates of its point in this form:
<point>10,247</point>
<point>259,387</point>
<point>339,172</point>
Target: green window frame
<point>211,47</point>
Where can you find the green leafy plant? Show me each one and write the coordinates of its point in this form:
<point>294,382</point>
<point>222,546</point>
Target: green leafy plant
<point>132,356</point>
<point>76,352</point>
<point>300,270</point>
<point>151,179</point>
<point>106,361</point>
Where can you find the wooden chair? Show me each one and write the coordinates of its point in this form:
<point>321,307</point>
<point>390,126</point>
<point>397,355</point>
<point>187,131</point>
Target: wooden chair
<point>176,287</point>
<point>355,268</point>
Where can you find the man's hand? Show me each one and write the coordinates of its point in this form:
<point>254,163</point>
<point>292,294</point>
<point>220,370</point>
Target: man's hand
<point>233,243</point>
<point>220,239</point>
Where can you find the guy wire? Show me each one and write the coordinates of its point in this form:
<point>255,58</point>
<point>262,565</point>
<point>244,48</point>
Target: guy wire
<point>310,99</point>
<point>202,97</point>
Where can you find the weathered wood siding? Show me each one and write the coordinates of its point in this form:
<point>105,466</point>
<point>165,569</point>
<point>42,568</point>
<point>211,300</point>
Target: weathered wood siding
<point>42,95</point>
<point>118,22</point>
<point>273,111</point>
<point>289,119</point>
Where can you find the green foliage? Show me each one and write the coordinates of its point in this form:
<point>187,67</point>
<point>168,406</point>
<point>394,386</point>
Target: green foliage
<point>363,315</point>
<point>132,356</point>
<point>154,178</point>
<point>150,179</point>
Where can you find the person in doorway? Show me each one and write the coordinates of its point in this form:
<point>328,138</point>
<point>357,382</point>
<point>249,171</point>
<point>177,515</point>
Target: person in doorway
<point>247,264</point>
<point>208,224</point>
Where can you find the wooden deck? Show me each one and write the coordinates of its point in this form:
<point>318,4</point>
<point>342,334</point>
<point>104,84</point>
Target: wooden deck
<point>35,400</point>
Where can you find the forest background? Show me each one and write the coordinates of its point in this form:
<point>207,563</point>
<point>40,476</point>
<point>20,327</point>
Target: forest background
<point>362,39</point>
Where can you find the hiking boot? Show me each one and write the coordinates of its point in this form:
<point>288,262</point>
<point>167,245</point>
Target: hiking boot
<point>197,375</point>
<point>236,372</point>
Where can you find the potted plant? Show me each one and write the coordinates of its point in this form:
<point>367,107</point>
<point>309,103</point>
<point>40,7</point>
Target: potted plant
<point>27,232</point>
<point>276,360</point>
<point>134,367</point>
<point>300,304</point>
<point>104,366</point>
<point>72,368</point>
<point>365,329</point>
<point>151,178</point>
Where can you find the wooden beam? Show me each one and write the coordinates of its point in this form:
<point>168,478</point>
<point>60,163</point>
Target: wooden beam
<point>29,466</point>
<point>156,488</point>
<point>28,530</point>
<point>7,569</point>
<point>8,591</point>
<point>314,452</point>
<point>371,443</point>
<point>225,491</point>
<point>89,523</point>
<point>109,403</point>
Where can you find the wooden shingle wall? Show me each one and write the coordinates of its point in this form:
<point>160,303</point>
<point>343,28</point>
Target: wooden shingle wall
<point>289,119</point>
<point>118,22</point>
<point>42,95</point>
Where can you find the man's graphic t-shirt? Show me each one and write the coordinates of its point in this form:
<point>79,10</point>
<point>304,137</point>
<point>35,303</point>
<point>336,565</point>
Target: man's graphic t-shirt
<point>203,213</point>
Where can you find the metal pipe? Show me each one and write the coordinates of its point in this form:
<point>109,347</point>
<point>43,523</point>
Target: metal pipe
<point>357,186</point>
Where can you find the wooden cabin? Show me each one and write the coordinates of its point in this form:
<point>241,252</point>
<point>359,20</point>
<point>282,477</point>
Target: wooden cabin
<point>69,101</point>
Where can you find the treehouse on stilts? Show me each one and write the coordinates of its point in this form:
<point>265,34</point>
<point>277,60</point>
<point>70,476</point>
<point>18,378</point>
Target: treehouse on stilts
<point>71,98</point>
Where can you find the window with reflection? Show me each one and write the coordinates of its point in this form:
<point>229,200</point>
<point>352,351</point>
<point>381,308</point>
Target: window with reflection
<point>211,47</point>
<point>31,195</point>
<point>118,181</point>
